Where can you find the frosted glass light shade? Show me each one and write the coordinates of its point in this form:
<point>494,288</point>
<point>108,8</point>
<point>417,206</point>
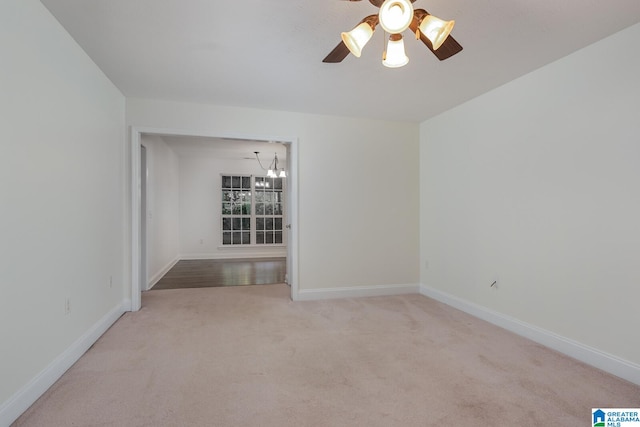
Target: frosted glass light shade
<point>395,56</point>
<point>357,38</point>
<point>395,15</point>
<point>282,174</point>
<point>271,174</point>
<point>436,29</point>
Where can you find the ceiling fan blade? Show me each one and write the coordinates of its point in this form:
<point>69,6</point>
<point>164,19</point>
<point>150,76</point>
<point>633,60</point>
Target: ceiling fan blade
<point>449,48</point>
<point>337,54</point>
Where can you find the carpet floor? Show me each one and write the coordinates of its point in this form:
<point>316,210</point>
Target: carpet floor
<point>248,356</point>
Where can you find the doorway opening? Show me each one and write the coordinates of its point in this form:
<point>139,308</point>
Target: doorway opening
<point>139,187</point>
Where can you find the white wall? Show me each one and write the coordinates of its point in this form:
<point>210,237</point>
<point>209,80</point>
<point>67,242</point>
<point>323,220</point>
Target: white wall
<point>358,186</point>
<point>536,183</point>
<point>163,195</point>
<point>61,197</point>
<point>200,204</point>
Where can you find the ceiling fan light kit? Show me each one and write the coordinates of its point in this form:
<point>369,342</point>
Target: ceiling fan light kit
<point>395,16</point>
<point>395,56</point>
<point>357,38</point>
<point>435,29</point>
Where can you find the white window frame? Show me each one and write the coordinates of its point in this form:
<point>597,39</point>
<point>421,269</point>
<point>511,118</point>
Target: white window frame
<point>253,215</point>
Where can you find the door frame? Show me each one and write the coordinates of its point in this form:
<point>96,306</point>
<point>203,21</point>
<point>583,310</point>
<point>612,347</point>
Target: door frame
<point>135,216</point>
<point>144,217</point>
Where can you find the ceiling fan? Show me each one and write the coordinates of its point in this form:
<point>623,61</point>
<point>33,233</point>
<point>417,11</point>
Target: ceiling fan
<point>395,16</point>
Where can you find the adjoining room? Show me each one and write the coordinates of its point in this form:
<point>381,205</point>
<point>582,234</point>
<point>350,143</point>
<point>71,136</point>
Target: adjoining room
<point>214,211</point>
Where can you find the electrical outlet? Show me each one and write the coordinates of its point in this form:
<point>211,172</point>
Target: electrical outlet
<point>201,241</point>
<point>111,281</point>
<point>426,264</point>
<point>67,305</point>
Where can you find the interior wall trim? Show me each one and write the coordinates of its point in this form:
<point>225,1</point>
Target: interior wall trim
<point>30,392</point>
<point>235,255</point>
<point>356,292</point>
<point>607,362</point>
<point>164,270</point>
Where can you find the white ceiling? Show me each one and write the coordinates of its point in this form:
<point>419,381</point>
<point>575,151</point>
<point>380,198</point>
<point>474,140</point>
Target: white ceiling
<point>268,54</point>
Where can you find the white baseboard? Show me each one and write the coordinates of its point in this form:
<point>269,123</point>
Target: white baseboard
<point>27,395</point>
<point>156,277</point>
<point>234,254</point>
<point>355,292</point>
<point>589,355</point>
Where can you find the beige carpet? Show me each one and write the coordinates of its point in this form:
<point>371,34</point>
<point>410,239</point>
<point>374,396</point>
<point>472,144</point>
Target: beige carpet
<point>248,356</point>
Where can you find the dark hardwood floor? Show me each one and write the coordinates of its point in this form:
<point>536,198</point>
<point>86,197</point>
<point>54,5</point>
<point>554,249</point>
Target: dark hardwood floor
<point>227,272</point>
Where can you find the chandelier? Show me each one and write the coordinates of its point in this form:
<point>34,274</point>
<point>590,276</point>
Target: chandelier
<point>272,171</point>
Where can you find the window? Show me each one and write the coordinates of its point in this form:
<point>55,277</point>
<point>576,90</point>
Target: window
<point>268,201</point>
<point>252,217</point>
<point>236,210</point>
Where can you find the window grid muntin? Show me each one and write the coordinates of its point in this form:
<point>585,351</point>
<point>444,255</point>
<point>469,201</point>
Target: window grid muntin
<point>269,210</point>
<point>263,208</point>
<point>236,210</point>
